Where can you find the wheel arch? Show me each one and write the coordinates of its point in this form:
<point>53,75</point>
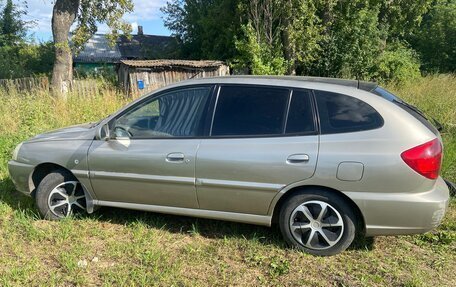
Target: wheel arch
<point>40,171</point>
<point>277,204</point>
<point>43,169</point>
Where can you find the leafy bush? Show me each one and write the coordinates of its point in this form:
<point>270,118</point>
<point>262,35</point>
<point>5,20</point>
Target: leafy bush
<point>26,60</point>
<point>397,64</point>
<point>261,58</point>
<point>435,39</point>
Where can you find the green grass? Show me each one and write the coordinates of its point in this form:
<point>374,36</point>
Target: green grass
<point>115,247</point>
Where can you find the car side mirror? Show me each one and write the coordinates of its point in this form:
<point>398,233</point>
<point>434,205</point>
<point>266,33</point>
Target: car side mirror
<point>104,133</point>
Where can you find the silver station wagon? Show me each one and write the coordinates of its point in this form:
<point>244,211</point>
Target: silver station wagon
<point>325,159</point>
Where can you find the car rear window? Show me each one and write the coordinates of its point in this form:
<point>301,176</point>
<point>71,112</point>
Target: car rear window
<point>341,114</point>
<point>414,111</point>
<point>250,111</point>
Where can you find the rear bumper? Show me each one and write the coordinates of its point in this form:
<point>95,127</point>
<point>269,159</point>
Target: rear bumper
<point>402,213</point>
<point>20,174</point>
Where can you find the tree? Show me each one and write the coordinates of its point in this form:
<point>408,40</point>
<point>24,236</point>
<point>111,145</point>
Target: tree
<point>363,39</point>
<point>87,14</point>
<point>351,40</point>
<point>12,28</point>
<point>260,47</point>
<point>436,39</point>
<point>206,29</point>
<point>278,35</point>
<point>400,17</point>
<point>17,56</point>
<point>301,30</point>
<point>397,63</point>
<point>258,55</point>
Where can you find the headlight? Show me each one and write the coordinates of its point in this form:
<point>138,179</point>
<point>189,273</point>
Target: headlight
<point>16,151</point>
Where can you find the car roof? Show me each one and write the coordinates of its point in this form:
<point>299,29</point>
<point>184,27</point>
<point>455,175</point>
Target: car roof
<point>362,85</point>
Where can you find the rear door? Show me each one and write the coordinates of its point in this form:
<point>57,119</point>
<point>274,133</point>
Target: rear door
<point>262,138</point>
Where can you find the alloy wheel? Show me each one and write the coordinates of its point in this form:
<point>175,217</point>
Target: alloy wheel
<point>316,225</point>
<point>67,198</point>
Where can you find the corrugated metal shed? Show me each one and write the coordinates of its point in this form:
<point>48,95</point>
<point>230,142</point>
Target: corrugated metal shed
<point>98,50</point>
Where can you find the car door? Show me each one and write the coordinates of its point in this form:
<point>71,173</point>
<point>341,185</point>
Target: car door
<point>262,139</point>
<point>151,159</point>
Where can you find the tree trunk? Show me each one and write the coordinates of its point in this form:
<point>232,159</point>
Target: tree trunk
<point>288,52</point>
<point>288,49</point>
<point>63,16</point>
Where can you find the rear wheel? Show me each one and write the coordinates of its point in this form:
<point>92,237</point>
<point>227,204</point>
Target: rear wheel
<point>60,195</point>
<point>318,222</point>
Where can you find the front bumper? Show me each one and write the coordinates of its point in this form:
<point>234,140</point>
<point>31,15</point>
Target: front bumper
<point>20,175</point>
<point>402,213</point>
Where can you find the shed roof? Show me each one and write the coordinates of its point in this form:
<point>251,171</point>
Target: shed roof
<point>98,50</point>
<point>172,63</point>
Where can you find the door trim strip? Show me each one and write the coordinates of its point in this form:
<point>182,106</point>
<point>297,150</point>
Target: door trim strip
<point>142,177</point>
<point>239,184</point>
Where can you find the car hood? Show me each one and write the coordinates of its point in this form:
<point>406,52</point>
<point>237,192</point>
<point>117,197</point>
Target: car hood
<point>76,132</point>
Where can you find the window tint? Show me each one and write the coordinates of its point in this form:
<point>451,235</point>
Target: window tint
<point>243,110</point>
<point>341,113</point>
<point>174,114</point>
<point>300,116</point>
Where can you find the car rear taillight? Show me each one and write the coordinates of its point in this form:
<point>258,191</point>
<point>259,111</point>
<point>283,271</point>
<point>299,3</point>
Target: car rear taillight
<point>425,159</point>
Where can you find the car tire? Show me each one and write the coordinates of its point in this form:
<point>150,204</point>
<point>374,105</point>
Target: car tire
<point>60,195</point>
<point>318,222</point>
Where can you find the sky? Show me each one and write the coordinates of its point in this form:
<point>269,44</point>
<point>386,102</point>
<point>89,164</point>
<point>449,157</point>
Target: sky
<point>146,13</point>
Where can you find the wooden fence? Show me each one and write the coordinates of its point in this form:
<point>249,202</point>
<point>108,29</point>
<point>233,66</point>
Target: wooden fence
<point>86,87</point>
<point>25,84</point>
<point>80,87</point>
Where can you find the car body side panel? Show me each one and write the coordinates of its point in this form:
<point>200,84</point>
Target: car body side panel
<point>20,175</point>
<point>388,185</point>
<point>244,174</point>
<point>70,154</point>
<point>402,213</point>
<point>379,150</point>
<point>137,171</point>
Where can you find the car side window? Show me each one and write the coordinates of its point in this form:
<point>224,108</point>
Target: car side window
<point>178,113</point>
<point>300,114</point>
<point>341,113</point>
<point>250,111</point>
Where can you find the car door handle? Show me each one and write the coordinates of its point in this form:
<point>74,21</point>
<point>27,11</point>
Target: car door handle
<point>175,157</point>
<point>298,158</point>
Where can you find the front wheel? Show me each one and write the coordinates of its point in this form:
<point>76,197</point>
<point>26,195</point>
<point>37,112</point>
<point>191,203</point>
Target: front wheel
<point>318,222</point>
<point>60,195</point>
